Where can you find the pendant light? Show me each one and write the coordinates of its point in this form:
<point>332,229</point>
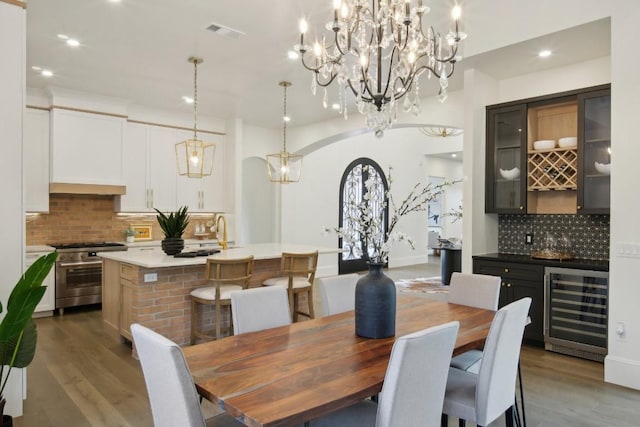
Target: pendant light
<point>194,156</point>
<point>440,131</point>
<point>284,167</point>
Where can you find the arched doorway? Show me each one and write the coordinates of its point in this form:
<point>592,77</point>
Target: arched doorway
<point>352,192</point>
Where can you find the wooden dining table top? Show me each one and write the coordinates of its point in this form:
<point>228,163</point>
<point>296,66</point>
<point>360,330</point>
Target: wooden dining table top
<point>295,373</point>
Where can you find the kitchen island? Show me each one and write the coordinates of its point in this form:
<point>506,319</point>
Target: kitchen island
<point>151,288</point>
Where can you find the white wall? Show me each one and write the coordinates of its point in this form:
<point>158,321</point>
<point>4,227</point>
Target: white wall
<point>12,226</point>
<point>622,365</point>
<point>258,203</point>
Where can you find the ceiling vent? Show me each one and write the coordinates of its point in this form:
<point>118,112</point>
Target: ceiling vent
<point>225,31</point>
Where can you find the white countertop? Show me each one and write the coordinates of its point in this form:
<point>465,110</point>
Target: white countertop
<point>158,259</point>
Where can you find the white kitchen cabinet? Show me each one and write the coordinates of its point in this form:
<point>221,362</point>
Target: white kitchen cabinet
<point>35,137</point>
<point>135,170</point>
<point>162,167</point>
<point>86,148</point>
<point>149,169</point>
<point>204,194</point>
<point>48,302</point>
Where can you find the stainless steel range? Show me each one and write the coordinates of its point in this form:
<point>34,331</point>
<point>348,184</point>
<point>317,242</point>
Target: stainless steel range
<point>79,273</point>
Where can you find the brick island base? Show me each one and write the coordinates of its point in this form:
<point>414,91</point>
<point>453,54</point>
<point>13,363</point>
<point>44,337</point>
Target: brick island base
<point>163,305</point>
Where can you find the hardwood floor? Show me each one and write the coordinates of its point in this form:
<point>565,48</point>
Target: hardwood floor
<point>80,377</point>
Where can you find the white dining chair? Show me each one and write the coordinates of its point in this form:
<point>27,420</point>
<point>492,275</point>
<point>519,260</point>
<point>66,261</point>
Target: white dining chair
<point>483,291</point>
<point>474,290</point>
<point>481,398</point>
<point>414,384</point>
<point>172,393</point>
<point>257,309</point>
<point>338,293</point>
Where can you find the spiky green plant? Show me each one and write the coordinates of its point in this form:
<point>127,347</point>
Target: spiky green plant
<point>174,224</point>
<point>18,333</point>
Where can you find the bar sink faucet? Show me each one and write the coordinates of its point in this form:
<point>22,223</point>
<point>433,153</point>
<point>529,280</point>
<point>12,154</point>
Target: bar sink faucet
<point>223,244</point>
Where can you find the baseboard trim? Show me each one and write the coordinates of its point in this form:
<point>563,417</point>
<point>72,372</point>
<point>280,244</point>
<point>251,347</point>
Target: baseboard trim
<point>621,371</point>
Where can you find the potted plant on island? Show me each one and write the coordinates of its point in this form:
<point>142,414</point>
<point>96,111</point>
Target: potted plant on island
<point>173,226</point>
<point>18,333</point>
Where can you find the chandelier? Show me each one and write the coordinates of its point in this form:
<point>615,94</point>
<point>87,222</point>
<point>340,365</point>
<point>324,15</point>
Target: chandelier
<point>443,132</point>
<point>379,50</point>
<point>195,157</point>
<point>284,167</point>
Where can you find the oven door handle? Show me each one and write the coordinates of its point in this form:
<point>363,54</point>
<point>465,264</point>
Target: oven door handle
<point>77,264</point>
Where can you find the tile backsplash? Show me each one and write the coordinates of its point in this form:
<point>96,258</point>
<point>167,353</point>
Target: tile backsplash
<point>588,234</point>
<point>76,218</point>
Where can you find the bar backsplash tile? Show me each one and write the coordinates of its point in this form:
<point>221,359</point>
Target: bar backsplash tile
<point>588,234</point>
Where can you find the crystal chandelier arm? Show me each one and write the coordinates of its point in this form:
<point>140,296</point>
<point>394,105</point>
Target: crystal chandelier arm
<point>394,53</point>
<point>433,70</point>
<point>397,39</point>
<point>453,49</point>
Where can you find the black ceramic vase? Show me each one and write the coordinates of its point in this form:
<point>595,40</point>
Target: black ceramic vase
<point>172,245</point>
<point>375,304</point>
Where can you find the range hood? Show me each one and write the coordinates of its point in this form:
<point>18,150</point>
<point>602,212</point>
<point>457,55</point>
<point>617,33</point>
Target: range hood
<point>99,189</point>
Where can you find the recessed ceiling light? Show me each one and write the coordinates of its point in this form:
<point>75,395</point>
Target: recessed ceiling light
<point>335,106</point>
<point>63,36</point>
<point>292,54</point>
<point>454,155</point>
<point>47,73</point>
<point>36,68</point>
<point>544,53</point>
<point>114,1</point>
<point>73,42</point>
<point>286,118</point>
<point>187,99</point>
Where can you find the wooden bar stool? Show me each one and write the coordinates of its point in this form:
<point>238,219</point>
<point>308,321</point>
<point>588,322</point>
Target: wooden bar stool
<point>299,270</point>
<point>227,275</point>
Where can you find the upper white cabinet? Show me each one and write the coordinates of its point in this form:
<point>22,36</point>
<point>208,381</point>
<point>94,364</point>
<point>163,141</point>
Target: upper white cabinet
<point>149,169</point>
<point>162,167</point>
<point>204,194</point>
<point>135,170</point>
<point>151,173</point>
<point>35,136</point>
<point>86,148</point>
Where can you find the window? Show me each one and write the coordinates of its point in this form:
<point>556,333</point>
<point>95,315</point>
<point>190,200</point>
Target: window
<point>352,191</point>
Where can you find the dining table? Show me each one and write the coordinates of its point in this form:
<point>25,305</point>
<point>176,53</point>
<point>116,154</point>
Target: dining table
<point>291,374</point>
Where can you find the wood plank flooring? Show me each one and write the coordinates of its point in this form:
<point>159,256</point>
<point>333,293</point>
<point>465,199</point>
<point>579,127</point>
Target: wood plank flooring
<point>80,377</point>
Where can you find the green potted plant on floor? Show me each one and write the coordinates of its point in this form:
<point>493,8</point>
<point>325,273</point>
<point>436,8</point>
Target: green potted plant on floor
<point>18,333</point>
<point>173,226</point>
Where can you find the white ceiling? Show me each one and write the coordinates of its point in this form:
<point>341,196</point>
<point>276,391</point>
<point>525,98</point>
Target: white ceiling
<point>138,49</point>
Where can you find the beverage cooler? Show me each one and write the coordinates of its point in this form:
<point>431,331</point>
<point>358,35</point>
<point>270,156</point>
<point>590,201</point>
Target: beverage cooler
<point>576,312</point>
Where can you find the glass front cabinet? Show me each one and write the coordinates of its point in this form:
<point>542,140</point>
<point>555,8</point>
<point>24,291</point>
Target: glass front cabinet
<point>569,174</point>
<point>594,152</point>
<point>506,166</point>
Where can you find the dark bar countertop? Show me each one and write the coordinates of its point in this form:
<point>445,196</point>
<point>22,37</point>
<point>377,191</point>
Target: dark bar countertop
<point>582,264</point>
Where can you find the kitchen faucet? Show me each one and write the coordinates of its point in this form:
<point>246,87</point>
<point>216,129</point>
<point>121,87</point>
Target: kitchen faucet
<point>222,243</point>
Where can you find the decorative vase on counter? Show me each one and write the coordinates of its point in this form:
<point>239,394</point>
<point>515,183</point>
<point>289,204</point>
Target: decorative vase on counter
<point>375,304</point>
<point>172,245</point>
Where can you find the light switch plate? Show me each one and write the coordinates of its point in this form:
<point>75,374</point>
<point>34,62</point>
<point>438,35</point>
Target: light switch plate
<point>528,239</point>
<point>628,250</point>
